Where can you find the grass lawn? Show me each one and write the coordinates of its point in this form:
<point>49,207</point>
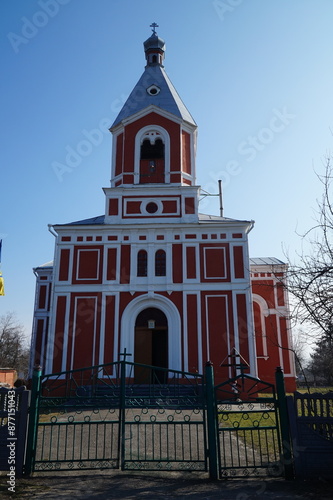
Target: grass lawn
<point>313,390</point>
<point>255,430</point>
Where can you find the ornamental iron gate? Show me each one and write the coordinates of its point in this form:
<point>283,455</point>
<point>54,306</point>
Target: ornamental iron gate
<point>99,418</point>
<point>249,440</point>
<point>164,425</point>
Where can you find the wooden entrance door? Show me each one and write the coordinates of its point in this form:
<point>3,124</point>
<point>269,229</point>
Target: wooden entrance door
<point>151,347</point>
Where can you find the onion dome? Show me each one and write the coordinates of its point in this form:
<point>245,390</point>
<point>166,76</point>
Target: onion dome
<point>154,48</point>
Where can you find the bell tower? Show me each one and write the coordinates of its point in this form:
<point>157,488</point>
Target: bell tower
<point>154,144</point>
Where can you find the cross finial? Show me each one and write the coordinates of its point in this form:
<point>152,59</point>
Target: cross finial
<point>125,354</point>
<point>153,26</point>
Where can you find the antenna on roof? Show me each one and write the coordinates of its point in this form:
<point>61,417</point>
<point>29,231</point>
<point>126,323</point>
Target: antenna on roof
<point>204,193</point>
<point>220,198</point>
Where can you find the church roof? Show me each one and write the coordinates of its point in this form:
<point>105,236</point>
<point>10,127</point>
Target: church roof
<point>266,261</point>
<point>100,219</point>
<point>47,264</point>
<point>218,218</point>
<point>167,99</point>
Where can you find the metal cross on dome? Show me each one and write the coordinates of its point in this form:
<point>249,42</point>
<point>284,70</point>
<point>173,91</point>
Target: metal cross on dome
<point>153,26</point>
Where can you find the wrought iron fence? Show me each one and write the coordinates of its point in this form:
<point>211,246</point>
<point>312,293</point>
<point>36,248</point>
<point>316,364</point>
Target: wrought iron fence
<point>311,418</point>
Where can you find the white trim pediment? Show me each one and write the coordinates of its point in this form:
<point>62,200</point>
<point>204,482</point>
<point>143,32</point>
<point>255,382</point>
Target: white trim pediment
<point>146,111</point>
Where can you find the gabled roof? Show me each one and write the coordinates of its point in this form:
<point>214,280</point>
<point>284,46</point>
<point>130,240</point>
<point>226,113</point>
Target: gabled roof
<point>167,99</point>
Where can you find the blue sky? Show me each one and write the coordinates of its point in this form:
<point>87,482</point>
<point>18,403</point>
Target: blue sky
<point>256,75</point>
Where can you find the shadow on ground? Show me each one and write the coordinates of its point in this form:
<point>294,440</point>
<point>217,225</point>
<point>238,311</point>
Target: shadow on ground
<point>190,486</point>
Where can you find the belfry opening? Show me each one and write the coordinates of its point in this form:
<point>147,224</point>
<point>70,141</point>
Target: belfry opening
<point>151,346</point>
<point>152,159</point>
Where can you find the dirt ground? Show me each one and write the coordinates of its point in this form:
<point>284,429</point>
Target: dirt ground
<point>153,485</point>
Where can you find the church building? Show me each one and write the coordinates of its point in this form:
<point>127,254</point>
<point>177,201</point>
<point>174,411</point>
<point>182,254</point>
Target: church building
<point>153,275</point>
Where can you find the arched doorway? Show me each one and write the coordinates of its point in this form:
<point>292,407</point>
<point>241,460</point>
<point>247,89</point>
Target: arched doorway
<point>151,346</point>
<point>128,321</point>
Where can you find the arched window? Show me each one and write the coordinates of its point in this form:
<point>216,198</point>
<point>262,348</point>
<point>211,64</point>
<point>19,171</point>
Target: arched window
<point>160,263</point>
<point>142,263</point>
<point>260,313</point>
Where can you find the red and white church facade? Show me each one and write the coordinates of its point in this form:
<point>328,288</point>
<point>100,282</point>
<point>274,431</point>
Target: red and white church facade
<point>152,275</point>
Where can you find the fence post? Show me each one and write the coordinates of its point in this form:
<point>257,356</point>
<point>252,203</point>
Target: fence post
<point>211,422</point>
<point>33,420</point>
<point>122,409</point>
<point>284,424</point>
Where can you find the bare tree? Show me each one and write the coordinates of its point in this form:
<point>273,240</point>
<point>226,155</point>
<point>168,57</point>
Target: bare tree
<point>299,350</point>
<point>310,280</point>
<point>14,352</point>
<point>321,364</point>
